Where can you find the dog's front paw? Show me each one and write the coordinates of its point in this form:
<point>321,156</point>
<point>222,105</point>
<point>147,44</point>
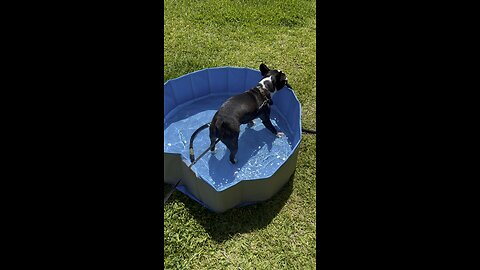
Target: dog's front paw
<point>280,134</point>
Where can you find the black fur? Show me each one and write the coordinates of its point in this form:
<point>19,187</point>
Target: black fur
<point>243,108</point>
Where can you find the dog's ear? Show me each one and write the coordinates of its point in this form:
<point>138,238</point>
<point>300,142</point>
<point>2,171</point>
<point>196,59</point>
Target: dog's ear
<point>264,69</point>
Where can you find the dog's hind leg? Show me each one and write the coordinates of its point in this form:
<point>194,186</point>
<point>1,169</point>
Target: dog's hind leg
<point>212,145</point>
<point>232,145</point>
<point>213,138</point>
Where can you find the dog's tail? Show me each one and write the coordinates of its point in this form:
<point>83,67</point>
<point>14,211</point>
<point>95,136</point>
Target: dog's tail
<point>192,155</point>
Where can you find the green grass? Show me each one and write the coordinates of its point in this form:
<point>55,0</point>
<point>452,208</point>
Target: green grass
<point>279,233</point>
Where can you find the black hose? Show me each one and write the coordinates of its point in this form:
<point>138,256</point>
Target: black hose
<point>165,199</point>
<point>310,131</point>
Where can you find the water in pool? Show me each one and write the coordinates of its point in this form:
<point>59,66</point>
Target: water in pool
<point>260,153</point>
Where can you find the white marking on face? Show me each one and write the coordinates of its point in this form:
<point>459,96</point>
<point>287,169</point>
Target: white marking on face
<point>262,83</point>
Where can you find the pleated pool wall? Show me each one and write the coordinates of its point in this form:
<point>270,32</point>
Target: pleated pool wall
<point>231,81</point>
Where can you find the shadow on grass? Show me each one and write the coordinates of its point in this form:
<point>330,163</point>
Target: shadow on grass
<point>222,227</point>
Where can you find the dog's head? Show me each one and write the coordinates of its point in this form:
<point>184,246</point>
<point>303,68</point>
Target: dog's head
<point>273,80</point>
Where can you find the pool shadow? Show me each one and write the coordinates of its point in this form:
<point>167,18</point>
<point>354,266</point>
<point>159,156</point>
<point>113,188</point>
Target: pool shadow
<point>224,226</point>
<point>248,144</point>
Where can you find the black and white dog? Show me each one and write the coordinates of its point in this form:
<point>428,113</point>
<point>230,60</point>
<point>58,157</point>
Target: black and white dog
<point>243,108</point>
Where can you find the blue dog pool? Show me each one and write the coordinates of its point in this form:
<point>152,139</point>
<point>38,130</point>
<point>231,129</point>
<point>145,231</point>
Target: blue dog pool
<point>264,162</point>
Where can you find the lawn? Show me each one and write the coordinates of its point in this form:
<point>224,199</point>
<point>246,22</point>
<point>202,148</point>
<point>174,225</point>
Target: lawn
<point>279,233</point>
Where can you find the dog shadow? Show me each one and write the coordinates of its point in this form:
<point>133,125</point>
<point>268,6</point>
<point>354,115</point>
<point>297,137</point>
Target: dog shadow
<point>249,143</point>
<point>239,220</point>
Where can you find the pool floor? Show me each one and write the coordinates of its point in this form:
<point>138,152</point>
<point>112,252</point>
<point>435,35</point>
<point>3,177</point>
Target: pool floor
<point>260,153</point>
